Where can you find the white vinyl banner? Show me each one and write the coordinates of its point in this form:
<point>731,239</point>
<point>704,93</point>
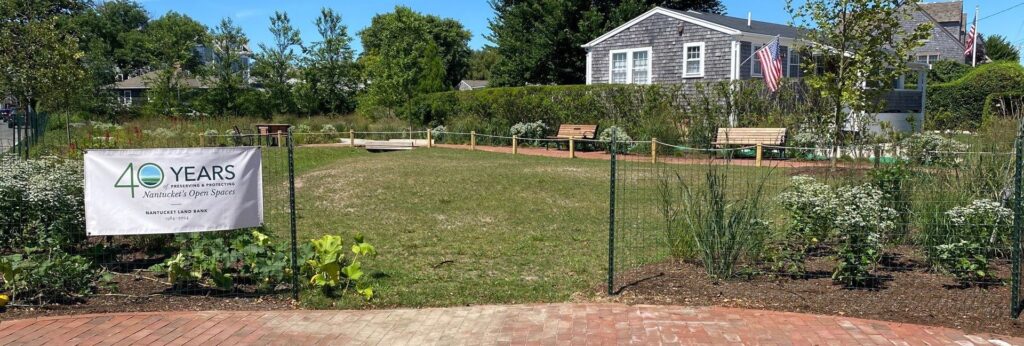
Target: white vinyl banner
<point>156,191</point>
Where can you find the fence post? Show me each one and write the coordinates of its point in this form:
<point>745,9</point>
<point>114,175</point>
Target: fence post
<point>202,140</point>
<point>279,143</point>
<point>291,212</point>
<point>430,140</point>
<point>611,217</point>
<point>351,138</point>
<point>515,144</point>
<point>757,159</point>
<point>654,150</point>
<point>572,147</point>
<point>1018,224</point>
<point>472,140</point>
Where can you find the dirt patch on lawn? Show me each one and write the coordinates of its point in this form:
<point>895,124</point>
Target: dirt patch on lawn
<point>908,293</point>
<point>145,293</point>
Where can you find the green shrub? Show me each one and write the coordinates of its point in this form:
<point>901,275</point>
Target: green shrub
<point>964,259</point>
<point>1003,105</point>
<point>959,104</point>
<point>221,260</point>
<point>41,203</point>
<point>48,277</point>
<point>622,139</point>
<point>984,221</point>
<point>331,270</point>
<point>895,183</point>
<point>533,130</point>
<point>931,148</point>
<point>667,112</point>
<point>862,222</point>
<point>944,71</point>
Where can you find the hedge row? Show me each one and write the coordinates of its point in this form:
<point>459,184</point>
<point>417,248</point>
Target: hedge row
<point>961,104</point>
<point>673,113</point>
<point>1003,105</point>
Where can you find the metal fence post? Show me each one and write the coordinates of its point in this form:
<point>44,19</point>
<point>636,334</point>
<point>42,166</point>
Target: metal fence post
<point>1015,246</point>
<point>611,217</point>
<point>291,212</point>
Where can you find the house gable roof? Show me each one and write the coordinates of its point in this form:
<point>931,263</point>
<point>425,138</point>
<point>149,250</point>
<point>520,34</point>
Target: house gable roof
<point>951,11</point>
<point>474,84</point>
<point>924,8</point>
<point>724,24</point>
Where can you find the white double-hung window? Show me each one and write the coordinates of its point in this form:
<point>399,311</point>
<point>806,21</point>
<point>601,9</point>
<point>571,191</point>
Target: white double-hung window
<point>755,62</point>
<point>632,66</point>
<point>693,60</point>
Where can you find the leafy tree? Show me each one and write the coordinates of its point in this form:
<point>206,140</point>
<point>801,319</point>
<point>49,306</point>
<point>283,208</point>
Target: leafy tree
<point>540,40</point>
<point>482,62</point>
<point>103,32</point>
<point>40,50</point>
<point>170,44</point>
<point>998,48</point>
<point>396,46</point>
<point>330,74</point>
<point>275,63</point>
<point>228,72</point>
<point>432,78</point>
<point>860,43</point>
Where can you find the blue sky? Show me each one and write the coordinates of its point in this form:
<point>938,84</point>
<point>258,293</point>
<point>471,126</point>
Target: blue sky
<point>253,15</point>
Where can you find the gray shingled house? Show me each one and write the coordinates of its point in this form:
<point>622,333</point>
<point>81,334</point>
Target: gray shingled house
<point>664,46</point>
<point>949,32</point>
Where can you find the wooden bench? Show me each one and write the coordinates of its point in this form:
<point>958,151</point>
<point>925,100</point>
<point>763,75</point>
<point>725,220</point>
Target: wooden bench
<point>389,145</point>
<point>750,136</point>
<point>567,131</point>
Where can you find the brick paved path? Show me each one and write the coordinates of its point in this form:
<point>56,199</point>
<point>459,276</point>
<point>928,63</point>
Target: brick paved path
<point>520,324</point>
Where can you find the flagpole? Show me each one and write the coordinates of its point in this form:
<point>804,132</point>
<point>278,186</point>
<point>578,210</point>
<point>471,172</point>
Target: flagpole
<point>974,50</point>
<point>755,52</point>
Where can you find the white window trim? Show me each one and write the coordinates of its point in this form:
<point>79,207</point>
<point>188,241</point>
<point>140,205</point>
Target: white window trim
<point>629,64</point>
<point>686,59</point>
<point>789,63</point>
<point>590,68</point>
<point>753,60</point>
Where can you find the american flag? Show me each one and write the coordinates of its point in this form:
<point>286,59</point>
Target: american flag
<point>771,64</point>
<point>971,36</point>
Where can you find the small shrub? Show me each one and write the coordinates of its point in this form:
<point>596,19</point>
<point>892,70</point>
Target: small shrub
<point>862,221</point>
<point>48,277</point>
<point>534,130</point>
<point>30,193</point>
<point>623,142</point>
<point>220,260</point>
<point>438,133</point>
<point>895,183</point>
<point>331,270</point>
<point>328,129</point>
<point>964,259</point>
<point>303,128</point>
<point>984,221</point>
<point>932,149</point>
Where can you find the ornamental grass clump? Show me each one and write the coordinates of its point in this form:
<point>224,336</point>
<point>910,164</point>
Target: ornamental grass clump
<point>723,229</point>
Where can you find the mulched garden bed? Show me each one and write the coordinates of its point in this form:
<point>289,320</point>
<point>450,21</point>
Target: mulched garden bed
<point>909,293</point>
<point>143,292</point>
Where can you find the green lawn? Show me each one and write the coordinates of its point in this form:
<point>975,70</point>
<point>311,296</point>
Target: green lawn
<point>459,227</point>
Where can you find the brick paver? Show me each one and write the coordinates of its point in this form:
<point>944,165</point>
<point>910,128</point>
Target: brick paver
<point>519,324</point>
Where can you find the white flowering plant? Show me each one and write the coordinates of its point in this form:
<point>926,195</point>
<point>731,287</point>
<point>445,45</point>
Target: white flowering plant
<point>984,221</point>
<point>932,149</point>
<point>534,130</point>
<point>854,218</point>
<point>623,142</point>
<point>41,203</point>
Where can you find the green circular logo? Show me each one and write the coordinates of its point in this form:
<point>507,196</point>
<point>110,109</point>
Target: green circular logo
<point>151,175</point>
